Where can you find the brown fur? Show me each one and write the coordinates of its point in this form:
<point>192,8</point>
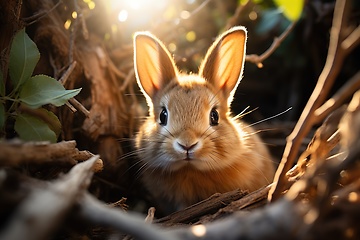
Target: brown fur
<point>226,156</point>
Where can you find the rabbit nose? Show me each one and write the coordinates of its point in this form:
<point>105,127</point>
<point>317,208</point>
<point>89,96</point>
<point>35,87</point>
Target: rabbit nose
<point>187,147</point>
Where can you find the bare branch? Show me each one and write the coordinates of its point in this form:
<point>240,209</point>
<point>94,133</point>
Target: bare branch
<point>16,152</point>
<point>340,96</point>
<point>38,16</point>
<point>238,12</point>
<point>352,40</point>
<point>253,58</point>
<point>133,224</point>
<point>51,203</point>
<point>331,69</point>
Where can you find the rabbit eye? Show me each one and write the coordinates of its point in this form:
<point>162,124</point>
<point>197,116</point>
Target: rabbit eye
<point>214,117</point>
<point>163,116</point>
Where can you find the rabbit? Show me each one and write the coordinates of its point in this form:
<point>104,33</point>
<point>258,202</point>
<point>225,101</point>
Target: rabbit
<point>189,146</point>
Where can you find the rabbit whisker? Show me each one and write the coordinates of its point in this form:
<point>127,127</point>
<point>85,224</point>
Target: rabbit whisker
<point>269,118</point>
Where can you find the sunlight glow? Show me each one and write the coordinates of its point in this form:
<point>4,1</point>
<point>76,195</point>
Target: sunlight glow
<point>185,14</point>
<point>190,36</point>
<point>91,5</point>
<point>253,15</point>
<point>198,230</point>
<point>123,15</point>
<point>74,15</point>
<point>67,24</point>
<point>136,10</point>
<point>349,232</point>
<point>353,197</point>
<point>172,47</point>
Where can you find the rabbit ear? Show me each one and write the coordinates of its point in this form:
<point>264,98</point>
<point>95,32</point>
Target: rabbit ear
<point>223,64</point>
<point>154,67</point>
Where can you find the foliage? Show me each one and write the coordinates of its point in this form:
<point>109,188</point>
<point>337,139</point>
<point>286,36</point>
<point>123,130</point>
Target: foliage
<point>280,14</point>
<point>291,9</point>
<point>24,103</point>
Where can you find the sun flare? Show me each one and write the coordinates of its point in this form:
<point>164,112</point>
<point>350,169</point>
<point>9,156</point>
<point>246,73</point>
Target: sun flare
<point>137,9</point>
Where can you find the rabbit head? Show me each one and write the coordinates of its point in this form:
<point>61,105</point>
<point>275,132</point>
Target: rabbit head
<point>189,124</point>
<point>188,121</point>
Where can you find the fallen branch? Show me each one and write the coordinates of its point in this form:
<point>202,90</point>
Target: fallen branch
<point>243,203</point>
<point>42,211</point>
<point>208,206</point>
<point>16,152</point>
<point>95,211</point>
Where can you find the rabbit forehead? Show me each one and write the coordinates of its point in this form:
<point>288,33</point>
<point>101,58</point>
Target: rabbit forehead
<point>189,105</point>
<point>191,91</point>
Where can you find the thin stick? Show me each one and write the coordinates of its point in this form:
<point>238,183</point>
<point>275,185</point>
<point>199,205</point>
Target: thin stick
<point>73,104</point>
<point>66,75</point>
<point>78,106</point>
<point>238,12</point>
<point>130,76</point>
<point>338,99</point>
<point>38,16</point>
<point>352,40</point>
<point>253,58</point>
<point>98,213</point>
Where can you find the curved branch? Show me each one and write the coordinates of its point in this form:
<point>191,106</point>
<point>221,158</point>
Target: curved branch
<point>253,58</point>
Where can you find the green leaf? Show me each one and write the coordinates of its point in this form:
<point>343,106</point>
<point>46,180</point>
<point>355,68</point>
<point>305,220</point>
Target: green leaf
<point>42,89</point>
<point>49,118</point>
<point>24,56</point>
<point>2,116</point>
<point>2,85</point>
<point>291,9</point>
<point>31,128</point>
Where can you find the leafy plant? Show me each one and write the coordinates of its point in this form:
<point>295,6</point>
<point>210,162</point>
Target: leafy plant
<point>291,9</point>
<point>24,103</point>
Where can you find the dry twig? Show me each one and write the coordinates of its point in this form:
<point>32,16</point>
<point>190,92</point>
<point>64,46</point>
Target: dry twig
<point>208,206</point>
<point>258,60</point>
<point>352,85</point>
<point>15,153</point>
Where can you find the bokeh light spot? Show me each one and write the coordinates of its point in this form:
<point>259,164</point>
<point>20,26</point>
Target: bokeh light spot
<point>67,24</point>
<point>123,16</point>
<point>253,15</point>
<point>190,36</point>
<point>172,47</point>
<point>353,197</point>
<point>91,5</point>
<point>114,28</point>
<point>74,15</point>
<point>185,14</point>
<point>199,230</point>
<point>170,13</point>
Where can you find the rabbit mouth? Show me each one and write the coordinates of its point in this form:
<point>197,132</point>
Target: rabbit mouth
<point>187,158</point>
